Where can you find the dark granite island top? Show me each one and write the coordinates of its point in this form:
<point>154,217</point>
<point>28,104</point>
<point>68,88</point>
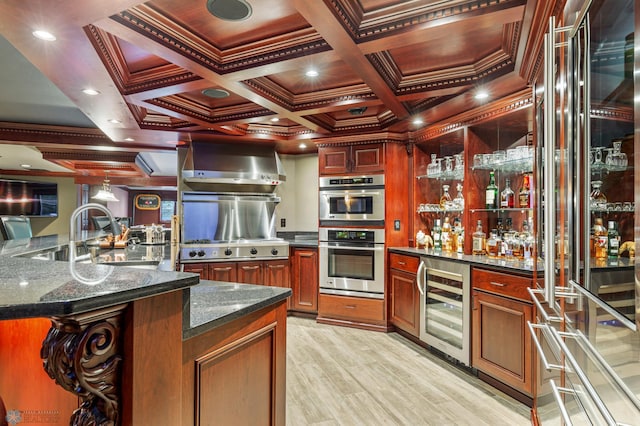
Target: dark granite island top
<point>143,319</point>
<point>40,288</point>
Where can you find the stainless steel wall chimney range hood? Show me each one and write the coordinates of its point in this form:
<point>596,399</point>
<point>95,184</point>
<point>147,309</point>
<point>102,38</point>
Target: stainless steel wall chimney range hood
<point>236,167</point>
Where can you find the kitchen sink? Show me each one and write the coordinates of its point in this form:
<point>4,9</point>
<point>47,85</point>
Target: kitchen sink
<point>87,254</point>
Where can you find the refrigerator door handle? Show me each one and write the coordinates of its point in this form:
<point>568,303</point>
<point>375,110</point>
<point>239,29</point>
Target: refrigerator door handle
<point>420,277</point>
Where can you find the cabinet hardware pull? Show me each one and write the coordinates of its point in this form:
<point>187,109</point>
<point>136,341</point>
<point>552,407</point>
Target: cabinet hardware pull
<point>250,268</point>
<point>401,263</point>
<point>497,284</point>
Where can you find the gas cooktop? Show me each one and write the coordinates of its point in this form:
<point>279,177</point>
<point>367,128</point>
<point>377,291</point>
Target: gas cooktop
<point>207,250</point>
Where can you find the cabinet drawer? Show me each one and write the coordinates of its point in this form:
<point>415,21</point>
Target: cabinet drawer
<point>404,263</point>
<point>351,308</point>
<point>502,283</point>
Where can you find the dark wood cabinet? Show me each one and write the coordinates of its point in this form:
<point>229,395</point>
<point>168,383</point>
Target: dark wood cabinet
<point>304,280</point>
<point>263,272</point>
<point>198,268</point>
<point>367,158</point>
<point>404,302</point>
<point>250,273</point>
<point>222,272</point>
<point>501,342</point>
<point>276,273</point>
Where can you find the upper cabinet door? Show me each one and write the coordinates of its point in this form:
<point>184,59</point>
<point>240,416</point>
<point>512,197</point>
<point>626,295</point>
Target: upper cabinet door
<point>367,158</point>
<point>358,159</point>
<point>334,160</point>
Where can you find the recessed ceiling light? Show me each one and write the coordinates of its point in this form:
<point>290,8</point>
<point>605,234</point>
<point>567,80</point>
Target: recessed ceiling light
<point>482,94</point>
<point>114,121</point>
<point>215,93</point>
<point>418,121</point>
<point>302,146</point>
<point>229,10</point>
<point>25,166</point>
<point>312,73</point>
<point>129,139</point>
<point>275,119</point>
<point>44,35</point>
<point>90,92</point>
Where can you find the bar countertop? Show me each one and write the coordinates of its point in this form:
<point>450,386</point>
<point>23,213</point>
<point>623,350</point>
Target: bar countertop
<point>513,265</point>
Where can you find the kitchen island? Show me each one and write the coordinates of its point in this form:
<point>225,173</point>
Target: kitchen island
<point>136,346</point>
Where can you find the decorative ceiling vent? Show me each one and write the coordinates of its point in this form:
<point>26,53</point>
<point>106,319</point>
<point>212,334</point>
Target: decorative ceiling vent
<point>357,111</point>
<point>215,93</point>
<point>229,10</point>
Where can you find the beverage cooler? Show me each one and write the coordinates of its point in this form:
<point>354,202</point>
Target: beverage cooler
<point>586,330</point>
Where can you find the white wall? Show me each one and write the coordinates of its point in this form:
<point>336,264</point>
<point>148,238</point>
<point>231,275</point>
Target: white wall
<point>299,194</point>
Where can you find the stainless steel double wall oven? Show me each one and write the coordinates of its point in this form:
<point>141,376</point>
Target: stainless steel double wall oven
<point>351,236</point>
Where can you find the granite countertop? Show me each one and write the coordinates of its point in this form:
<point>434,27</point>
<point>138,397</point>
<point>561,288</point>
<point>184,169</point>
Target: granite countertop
<point>44,288</point>
<point>214,303</point>
<point>507,264</point>
<point>300,239</point>
<point>513,265</point>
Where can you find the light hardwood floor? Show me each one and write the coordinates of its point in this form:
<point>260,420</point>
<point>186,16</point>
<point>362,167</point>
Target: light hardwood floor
<point>344,376</point>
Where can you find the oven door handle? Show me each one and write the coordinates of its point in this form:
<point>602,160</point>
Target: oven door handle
<point>379,247</point>
<point>351,194</point>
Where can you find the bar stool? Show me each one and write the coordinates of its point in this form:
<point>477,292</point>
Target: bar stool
<point>15,227</point>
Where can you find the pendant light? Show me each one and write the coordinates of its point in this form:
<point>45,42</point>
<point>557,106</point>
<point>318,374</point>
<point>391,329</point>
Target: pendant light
<point>105,193</point>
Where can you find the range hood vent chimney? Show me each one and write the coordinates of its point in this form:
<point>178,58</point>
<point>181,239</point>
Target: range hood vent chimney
<point>236,167</point>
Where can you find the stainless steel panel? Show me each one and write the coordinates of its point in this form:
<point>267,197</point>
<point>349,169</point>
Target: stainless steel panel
<point>227,218</point>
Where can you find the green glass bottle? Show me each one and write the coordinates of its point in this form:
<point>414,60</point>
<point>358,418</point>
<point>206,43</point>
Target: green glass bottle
<point>492,192</point>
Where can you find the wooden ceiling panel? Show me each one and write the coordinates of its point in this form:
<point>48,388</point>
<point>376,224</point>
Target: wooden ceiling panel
<point>138,60</point>
<point>269,19</point>
<point>397,58</point>
<point>332,75</point>
<point>447,51</point>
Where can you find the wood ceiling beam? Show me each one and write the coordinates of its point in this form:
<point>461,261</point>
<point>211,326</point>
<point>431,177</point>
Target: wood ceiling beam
<point>323,20</point>
<point>216,79</point>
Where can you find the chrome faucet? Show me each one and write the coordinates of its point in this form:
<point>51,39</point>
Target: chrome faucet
<point>115,227</point>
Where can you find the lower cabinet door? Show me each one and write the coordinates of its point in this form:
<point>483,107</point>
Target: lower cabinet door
<point>250,273</point>
<point>276,273</point>
<point>304,281</point>
<point>501,341</point>
<point>223,272</point>
<point>197,268</point>
<point>404,310</point>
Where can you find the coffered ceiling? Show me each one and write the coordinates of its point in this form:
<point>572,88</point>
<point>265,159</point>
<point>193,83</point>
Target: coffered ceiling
<point>380,63</point>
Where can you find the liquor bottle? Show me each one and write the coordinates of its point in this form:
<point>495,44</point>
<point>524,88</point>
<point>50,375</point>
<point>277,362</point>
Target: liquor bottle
<point>436,234</point>
<point>507,197</point>
<point>460,240</point>
<point>491,194</point>
<point>499,227</point>
<point>600,239</point>
<point>524,196</point>
<point>478,240</point>
<point>493,244</point>
<point>446,235</point>
<point>445,201</point>
<point>458,202</point>
<point>613,240</point>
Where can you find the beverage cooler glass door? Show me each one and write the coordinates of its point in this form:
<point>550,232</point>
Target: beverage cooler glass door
<point>445,307</point>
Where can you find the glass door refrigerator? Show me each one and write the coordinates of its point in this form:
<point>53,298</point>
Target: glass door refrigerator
<point>586,331</point>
